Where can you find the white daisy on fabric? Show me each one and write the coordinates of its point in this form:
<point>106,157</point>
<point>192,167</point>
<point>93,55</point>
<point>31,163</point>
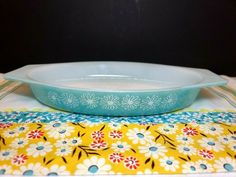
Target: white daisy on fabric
<point>186,149</point>
<point>69,100</point>
<point>89,100</point>
<point>56,170</point>
<point>226,164</point>
<point>63,150</point>
<point>30,170</point>
<point>169,163</point>
<point>19,143</point>
<point>139,135</point>
<point>211,129</point>
<point>153,150</point>
<point>7,154</point>
<point>39,149</point>
<point>75,141</point>
<point>53,126</point>
<point>225,139</point>
<point>10,133</point>
<point>120,146</point>
<point>150,102</point>
<point>130,102</point>
<point>90,123</point>
<point>232,146</point>
<point>115,126</point>
<point>53,97</point>
<point>21,128</point>
<point>184,139</point>
<point>211,144</point>
<point>147,172</point>
<point>168,128</point>
<point>61,132</point>
<point>204,166</point>
<point>93,166</point>
<point>110,102</point>
<point>5,170</point>
<point>190,167</point>
<point>62,142</point>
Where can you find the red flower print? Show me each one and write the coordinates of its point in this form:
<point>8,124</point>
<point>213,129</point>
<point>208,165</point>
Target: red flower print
<point>206,154</point>
<point>190,131</point>
<point>2,125</point>
<point>116,134</point>
<point>19,159</point>
<point>131,163</point>
<point>97,135</point>
<point>116,157</point>
<point>34,134</point>
<point>98,144</point>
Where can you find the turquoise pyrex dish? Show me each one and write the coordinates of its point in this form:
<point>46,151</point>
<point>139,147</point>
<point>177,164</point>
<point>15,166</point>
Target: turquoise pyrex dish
<point>115,88</point>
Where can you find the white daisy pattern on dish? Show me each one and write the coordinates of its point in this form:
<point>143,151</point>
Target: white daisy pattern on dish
<point>53,97</point>
<point>184,139</point>
<point>150,102</point>
<point>5,170</point>
<point>204,166</point>
<point>211,144</point>
<point>7,154</point>
<point>190,167</point>
<point>30,170</point>
<point>153,150</point>
<point>19,143</point>
<point>69,100</point>
<point>211,129</point>
<point>226,164</point>
<point>93,166</point>
<point>130,102</point>
<point>169,100</point>
<point>89,100</point>
<point>120,146</point>
<point>110,102</point>
<point>39,149</point>
<point>63,150</point>
<point>186,149</point>
<point>169,163</point>
<point>55,170</point>
<point>139,135</point>
<point>168,128</point>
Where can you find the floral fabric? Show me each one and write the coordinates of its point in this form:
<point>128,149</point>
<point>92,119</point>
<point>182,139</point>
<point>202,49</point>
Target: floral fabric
<point>79,148</point>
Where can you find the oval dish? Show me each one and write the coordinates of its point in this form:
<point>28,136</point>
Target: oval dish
<point>115,88</point>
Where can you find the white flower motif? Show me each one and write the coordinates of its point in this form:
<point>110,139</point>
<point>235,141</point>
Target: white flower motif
<point>7,154</point>
<point>130,102</point>
<point>190,167</point>
<point>232,146</point>
<point>184,139</point>
<point>225,164</point>
<point>21,128</point>
<point>186,149</point>
<point>153,150</point>
<point>19,143</point>
<point>39,149</point>
<point>120,146</point>
<point>210,128</point>
<point>62,142</point>
<point>93,166</point>
<point>169,100</point>
<point>75,141</point>
<point>55,170</point>
<point>53,125</point>
<point>227,139</point>
<point>110,102</point>
<point>89,100</point>
<point>169,163</point>
<point>90,123</point>
<point>30,170</point>
<point>63,150</point>
<point>210,144</point>
<point>53,97</point>
<point>5,170</point>
<point>69,100</point>
<point>150,102</point>
<point>115,126</point>
<point>168,128</point>
<point>61,132</point>
<point>204,166</point>
<point>147,172</point>
<point>139,136</point>
<point>10,133</point>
